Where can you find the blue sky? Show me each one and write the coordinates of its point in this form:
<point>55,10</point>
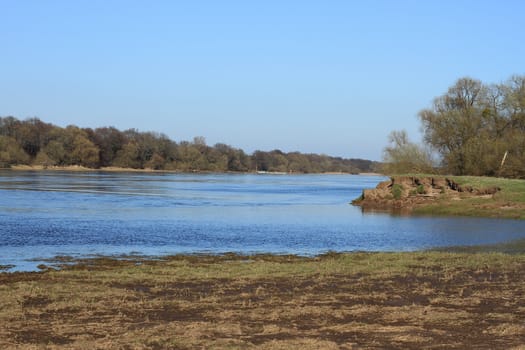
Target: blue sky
<point>331,77</point>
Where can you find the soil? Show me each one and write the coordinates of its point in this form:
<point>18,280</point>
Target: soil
<point>438,308</point>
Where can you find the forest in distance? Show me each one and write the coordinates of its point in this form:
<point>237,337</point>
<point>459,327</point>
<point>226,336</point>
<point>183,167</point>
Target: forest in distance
<point>35,142</point>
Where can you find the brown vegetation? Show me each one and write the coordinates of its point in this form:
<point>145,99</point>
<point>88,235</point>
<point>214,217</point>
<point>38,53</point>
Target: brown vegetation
<point>349,301</point>
<point>36,143</point>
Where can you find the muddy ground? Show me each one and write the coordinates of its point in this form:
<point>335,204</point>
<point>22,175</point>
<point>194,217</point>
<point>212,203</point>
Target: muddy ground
<point>366,301</point>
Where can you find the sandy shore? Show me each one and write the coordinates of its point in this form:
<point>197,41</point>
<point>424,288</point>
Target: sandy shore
<point>147,170</point>
<point>81,168</point>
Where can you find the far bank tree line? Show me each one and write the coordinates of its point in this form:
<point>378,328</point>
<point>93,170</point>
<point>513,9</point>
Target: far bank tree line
<point>472,129</point>
<point>34,142</point>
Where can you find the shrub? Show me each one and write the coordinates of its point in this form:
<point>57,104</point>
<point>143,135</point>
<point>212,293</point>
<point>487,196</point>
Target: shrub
<point>397,191</point>
<point>421,189</point>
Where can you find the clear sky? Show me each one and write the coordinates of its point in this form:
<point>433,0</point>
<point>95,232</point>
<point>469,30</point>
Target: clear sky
<point>331,77</point>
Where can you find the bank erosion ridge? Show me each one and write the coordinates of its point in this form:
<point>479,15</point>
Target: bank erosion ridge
<point>459,195</point>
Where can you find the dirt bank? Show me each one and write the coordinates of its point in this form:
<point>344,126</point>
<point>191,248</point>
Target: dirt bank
<point>406,193</point>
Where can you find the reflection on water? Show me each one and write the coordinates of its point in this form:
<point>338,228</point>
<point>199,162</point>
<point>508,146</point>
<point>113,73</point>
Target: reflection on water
<point>43,214</point>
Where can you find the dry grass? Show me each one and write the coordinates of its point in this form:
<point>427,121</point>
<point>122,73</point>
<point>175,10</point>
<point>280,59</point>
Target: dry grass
<point>339,301</point>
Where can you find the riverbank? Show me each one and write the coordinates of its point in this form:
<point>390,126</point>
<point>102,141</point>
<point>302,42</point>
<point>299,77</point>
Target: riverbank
<point>446,196</point>
<point>85,169</point>
<point>335,301</point>
<point>80,168</point>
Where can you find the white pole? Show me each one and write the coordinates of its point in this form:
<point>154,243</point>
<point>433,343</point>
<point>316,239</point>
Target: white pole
<point>503,160</point>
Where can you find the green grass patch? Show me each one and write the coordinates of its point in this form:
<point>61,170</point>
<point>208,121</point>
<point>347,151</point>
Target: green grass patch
<point>508,203</point>
<point>513,247</point>
<point>187,268</point>
<point>397,191</point>
<point>511,189</point>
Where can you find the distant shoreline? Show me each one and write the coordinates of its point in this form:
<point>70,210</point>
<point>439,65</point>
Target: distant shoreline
<point>79,168</point>
<point>371,174</point>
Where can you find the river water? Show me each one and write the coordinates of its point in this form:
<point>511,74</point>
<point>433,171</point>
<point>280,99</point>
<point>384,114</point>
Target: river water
<point>45,214</point>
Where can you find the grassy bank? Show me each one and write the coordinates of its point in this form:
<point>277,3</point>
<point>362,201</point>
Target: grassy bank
<point>478,197</point>
<point>358,300</point>
<point>509,203</point>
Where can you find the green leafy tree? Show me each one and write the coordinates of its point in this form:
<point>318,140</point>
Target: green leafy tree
<point>128,156</point>
<point>34,142</point>
<point>299,163</point>
<point>55,153</point>
<point>278,161</point>
<point>84,152</point>
<point>11,153</point>
<point>453,121</point>
<point>478,129</point>
<point>156,162</point>
<point>513,112</point>
<point>109,140</point>
<point>77,148</point>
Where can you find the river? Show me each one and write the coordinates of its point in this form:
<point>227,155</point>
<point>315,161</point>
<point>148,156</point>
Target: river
<point>45,214</point>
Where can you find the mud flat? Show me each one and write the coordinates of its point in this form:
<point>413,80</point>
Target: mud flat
<point>416,300</point>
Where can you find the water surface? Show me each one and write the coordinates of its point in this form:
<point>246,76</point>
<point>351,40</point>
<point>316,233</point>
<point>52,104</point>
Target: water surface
<point>44,214</point>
